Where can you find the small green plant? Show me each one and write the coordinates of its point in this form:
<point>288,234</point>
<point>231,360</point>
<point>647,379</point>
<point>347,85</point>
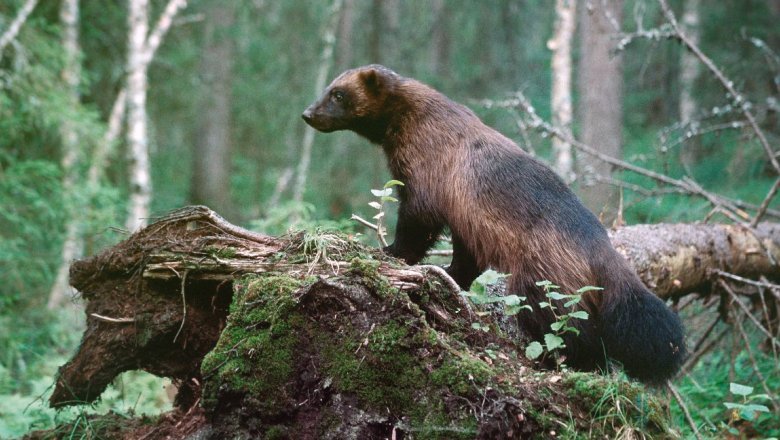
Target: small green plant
<point>479,294</point>
<point>554,341</point>
<point>383,196</point>
<point>746,410</point>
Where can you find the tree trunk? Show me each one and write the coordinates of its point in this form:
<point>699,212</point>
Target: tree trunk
<point>212,155</point>
<point>104,149</point>
<point>600,89</point>
<point>689,70</point>
<point>561,95</point>
<point>73,245</point>
<point>326,61</point>
<point>137,133</point>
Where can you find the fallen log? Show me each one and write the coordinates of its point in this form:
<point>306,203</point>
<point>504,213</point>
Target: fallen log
<point>313,335</point>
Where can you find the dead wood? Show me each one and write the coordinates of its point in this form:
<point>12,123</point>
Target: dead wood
<point>319,337</point>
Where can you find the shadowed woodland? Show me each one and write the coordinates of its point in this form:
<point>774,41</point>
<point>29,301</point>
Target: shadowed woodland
<point>273,312</point>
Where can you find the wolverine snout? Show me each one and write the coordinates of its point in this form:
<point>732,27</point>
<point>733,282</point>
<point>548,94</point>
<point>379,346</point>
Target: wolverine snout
<point>307,115</point>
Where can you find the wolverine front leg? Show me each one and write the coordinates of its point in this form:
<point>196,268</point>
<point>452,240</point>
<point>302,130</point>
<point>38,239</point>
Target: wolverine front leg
<point>413,236</point>
<point>463,268</point>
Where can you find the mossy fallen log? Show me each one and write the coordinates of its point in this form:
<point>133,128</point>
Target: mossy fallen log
<point>317,336</point>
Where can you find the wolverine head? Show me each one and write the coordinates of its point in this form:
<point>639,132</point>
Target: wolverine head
<point>355,101</point>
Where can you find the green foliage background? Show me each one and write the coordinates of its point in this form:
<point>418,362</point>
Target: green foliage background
<point>495,48</point>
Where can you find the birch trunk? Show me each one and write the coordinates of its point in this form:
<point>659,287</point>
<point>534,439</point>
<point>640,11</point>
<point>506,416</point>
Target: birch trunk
<point>137,133</point>
<point>73,245</point>
<point>561,95</point>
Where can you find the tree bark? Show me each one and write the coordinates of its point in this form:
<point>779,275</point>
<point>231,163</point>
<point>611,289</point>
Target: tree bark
<point>137,132</point>
<point>213,150</point>
<point>561,95</point>
<point>689,70</point>
<point>73,245</point>
<point>600,89</point>
<point>140,49</point>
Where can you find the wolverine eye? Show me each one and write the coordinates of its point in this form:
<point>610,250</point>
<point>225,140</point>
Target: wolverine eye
<point>338,96</point>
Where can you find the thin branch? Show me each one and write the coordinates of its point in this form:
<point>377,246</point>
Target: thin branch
<point>739,100</point>
<point>154,38</point>
<point>687,185</point>
<point>756,370</point>
<point>745,309</point>
<point>679,399</point>
<point>183,304</point>
<point>745,280</point>
<point>765,204</point>
<point>111,320</point>
<point>16,25</point>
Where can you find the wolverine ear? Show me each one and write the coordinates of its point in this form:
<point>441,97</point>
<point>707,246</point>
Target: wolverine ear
<point>375,78</point>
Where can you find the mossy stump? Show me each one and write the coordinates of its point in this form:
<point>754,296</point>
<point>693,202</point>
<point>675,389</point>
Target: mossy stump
<point>314,336</point>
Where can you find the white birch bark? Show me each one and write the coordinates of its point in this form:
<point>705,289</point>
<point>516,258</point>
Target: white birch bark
<point>137,134</point>
<point>561,94</point>
<point>141,46</point>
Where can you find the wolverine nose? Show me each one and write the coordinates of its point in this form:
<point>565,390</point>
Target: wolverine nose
<point>307,115</point>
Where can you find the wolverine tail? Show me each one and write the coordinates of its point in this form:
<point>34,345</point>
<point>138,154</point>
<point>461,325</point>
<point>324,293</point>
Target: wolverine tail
<point>641,332</point>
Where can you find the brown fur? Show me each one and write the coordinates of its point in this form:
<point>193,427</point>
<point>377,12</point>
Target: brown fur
<point>505,210</point>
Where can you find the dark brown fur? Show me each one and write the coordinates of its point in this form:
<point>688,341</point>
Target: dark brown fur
<point>506,210</point>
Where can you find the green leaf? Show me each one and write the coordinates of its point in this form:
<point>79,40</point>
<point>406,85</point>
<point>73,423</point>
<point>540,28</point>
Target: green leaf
<point>555,326</point>
<point>393,182</point>
<point>574,301</point>
<point>375,205</point>
<point>514,310</point>
<point>544,304</point>
<point>533,350</point>
<point>588,289</point>
<point>511,300</point>
<point>553,342</point>
<point>547,285</point>
<point>382,192</point>
<point>579,314</point>
<point>389,199</point>
<point>556,296</point>
<point>756,408</point>
<point>490,277</point>
<point>740,390</point>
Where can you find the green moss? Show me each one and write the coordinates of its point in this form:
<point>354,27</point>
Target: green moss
<point>381,371</point>
<point>255,351</point>
<point>461,374</point>
<point>220,252</point>
<point>368,271</point>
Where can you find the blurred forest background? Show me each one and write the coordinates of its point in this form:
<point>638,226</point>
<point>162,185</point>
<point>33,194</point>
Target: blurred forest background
<point>102,126</point>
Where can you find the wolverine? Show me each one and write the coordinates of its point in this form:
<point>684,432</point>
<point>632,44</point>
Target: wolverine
<point>507,211</point>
